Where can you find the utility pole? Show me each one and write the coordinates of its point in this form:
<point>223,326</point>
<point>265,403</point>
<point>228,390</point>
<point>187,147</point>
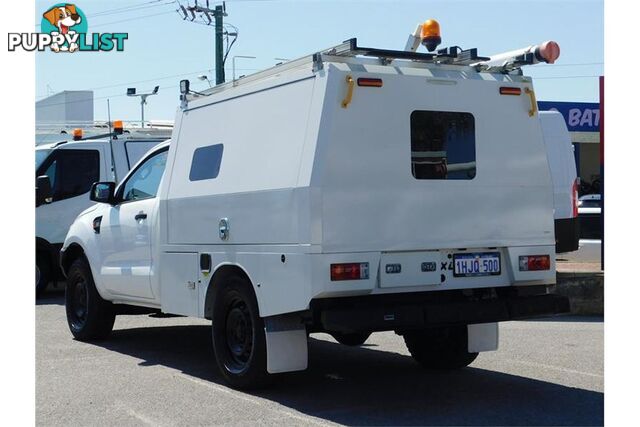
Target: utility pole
<point>206,13</point>
<point>219,12</point>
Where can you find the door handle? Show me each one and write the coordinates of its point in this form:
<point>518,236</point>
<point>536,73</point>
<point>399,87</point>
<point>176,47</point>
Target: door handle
<point>532,98</point>
<point>141,215</point>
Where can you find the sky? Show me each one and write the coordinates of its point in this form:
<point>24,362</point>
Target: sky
<point>162,48</point>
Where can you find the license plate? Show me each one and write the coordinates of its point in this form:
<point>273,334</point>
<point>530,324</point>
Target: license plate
<point>476,264</point>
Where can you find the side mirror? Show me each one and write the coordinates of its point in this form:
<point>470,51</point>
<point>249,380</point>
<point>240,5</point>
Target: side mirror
<point>44,194</point>
<point>103,192</point>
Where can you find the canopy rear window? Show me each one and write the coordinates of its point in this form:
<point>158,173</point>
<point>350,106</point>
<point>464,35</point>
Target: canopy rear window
<point>443,145</point>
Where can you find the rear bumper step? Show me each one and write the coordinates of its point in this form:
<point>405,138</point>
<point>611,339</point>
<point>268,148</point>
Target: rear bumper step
<point>398,316</point>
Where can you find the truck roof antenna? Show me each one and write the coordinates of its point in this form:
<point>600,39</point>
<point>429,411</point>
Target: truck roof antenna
<point>113,164</point>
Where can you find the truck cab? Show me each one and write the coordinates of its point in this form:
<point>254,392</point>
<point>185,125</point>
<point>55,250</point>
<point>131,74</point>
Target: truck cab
<point>351,191</point>
<point>68,169</point>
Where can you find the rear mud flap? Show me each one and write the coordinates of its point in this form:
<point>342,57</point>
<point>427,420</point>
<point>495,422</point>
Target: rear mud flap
<point>286,338</point>
<point>482,337</point>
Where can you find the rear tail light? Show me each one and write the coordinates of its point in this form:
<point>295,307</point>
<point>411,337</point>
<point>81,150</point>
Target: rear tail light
<point>535,262</point>
<point>574,197</point>
<point>350,271</point>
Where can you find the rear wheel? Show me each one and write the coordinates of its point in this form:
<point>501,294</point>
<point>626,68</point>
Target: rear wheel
<point>440,348</point>
<point>239,340</point>
<point>351,339</point>
<point>88,315</point>
<point>43,272</point>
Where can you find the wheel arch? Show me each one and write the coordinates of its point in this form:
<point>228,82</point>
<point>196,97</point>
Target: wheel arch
<point>222,272</point>
<point>69,255</point>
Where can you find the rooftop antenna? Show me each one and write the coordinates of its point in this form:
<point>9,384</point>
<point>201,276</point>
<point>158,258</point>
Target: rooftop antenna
<point>113,163</point>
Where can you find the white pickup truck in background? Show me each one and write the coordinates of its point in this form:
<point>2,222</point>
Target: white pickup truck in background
<point>65,172</point>
<point>350,191</point>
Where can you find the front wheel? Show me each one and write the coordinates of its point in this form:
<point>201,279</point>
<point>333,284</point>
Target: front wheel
<point>440,348</point>
<point>239,341</point>
<point>88,315</point>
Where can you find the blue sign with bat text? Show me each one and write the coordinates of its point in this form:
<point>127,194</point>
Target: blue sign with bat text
<point>579,116</point>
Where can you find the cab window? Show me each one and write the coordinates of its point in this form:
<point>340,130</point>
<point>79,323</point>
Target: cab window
<point>71,172</point>
<point>144,182</point>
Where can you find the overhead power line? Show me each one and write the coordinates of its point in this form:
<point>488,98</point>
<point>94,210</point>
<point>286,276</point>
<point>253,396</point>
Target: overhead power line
<point>169,3</point>
<point>138,81</point>
<point>570,65</point>
<point>564,77</point>
<point>116,95</point>
<point>132,19</point>
<point>166,3</point>
<point>137,6</point>
<point>125,84</point>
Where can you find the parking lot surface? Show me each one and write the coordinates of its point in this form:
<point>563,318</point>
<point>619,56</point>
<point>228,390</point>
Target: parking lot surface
<point>161,371</point>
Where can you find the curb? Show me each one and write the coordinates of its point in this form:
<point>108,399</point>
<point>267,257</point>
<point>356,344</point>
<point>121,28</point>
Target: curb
<point>584,290</point>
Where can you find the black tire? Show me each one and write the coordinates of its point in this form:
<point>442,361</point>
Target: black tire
<point>352,339</point>
<point>43,272</point>
<point>239,341</point>
<point>88,315</point>
<point>440,348</point>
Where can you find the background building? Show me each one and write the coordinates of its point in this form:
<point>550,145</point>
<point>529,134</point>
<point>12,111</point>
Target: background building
<point>67,107</point>
<point>58,114</point>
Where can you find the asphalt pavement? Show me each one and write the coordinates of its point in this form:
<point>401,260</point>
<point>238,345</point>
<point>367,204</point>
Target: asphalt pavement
<point>161,371</point>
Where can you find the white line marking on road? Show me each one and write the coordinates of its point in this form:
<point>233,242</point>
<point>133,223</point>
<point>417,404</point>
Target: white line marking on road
<point>81,358</point>
<point>255,401</point>
<point>556,368</point>
<point>142,418</point>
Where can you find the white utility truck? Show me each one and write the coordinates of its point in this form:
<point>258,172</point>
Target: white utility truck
<point>562,164</point>
<point>66,170</point>
<point>351,191</point>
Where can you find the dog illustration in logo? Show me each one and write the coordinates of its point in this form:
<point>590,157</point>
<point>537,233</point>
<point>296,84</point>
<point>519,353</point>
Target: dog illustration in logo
<point>63,18</point>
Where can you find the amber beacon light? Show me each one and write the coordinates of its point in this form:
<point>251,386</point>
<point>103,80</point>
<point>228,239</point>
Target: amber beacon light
<point>430,34</point>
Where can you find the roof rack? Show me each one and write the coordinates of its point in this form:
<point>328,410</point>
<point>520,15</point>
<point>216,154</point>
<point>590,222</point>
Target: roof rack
<point>453,55</point>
